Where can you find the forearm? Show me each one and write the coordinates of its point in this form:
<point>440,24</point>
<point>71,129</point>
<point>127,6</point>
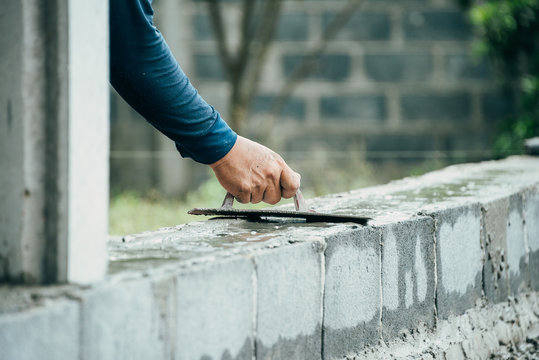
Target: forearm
<point>146,75</point>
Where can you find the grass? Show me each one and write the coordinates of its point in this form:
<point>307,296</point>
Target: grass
<point>132,212</point>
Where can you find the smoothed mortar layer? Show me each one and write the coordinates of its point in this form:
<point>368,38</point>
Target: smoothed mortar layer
<point>204,298</point>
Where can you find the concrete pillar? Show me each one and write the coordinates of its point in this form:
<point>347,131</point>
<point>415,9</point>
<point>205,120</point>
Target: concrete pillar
<point>53,140</point>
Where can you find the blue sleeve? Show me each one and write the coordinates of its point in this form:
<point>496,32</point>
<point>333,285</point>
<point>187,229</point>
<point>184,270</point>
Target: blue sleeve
<point>144,72</point>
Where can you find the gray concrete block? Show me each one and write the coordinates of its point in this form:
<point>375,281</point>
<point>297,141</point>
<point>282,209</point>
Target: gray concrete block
<point>517,257</point>
<point>214,311</point>
<point>399,143</point>
<point>364,108</point>
<point>293,107</point>
<point>494,240</point>
<point>459,260</point>
<point>121,320</point>
<point>397,67</point>
<point>436,25</point>
<point>462,66</point>
<point>208,67</point>
<point>49,332</point>
<point>293,27</point>
<point>531,217</point>
<point>363,26</point>
<point>408,276</point>
<point>436,108</point>
<point>352,295</point>
<point>202,29</point>
<point>289,302</point>
<point>496,106</point>
<point>330,67</point>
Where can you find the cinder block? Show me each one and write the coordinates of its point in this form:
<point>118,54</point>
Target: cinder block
<point>432,107</point>
<point>494,239</point>
<point>214,311</point>
<point>208,67</point>
<point>363,26</point>
<point>293,27</point>
<point>293,107</point>
<point>352,295</point>
<point>398,67</point>
<point>459,261</point>
<point>462,66</point>
<point>531,216</point>
<point>517,257</point>
<point>436,25</point>
<point>496,106</point>
<point>331,67</point>
<point>408,276</point>
<point>289,298</point>
<point>368,108</point>
<point>122,320</point>
<point>49,332</point>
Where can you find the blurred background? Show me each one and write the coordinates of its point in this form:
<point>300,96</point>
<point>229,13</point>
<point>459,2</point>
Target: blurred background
<point>350,92</point>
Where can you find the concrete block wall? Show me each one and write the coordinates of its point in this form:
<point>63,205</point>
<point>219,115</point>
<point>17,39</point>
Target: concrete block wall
<point>447,267</point>
<point>394,72</point>
<point>398,81</point>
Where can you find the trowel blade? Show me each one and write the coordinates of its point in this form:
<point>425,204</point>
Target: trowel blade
<point>268,213</point>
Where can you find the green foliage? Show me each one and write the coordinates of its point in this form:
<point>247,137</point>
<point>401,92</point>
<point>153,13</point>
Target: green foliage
<point>509,34</point>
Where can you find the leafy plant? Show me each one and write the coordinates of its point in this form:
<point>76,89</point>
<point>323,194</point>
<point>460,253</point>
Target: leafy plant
<point>508,33</point>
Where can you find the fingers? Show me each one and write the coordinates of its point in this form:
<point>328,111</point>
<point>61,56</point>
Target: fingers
<point>254,173</point>
<point>290,182</point>
<point>272,195</point>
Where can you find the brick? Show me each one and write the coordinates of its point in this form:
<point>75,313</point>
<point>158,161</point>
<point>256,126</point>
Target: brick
<point>363,26</point>
<point>360,108</point>
<point>292,27</point>
<point>330,67</point>
<point>531,216</point>
<point>49,332</point>
<point>494,238</point>
<point>436,25</point>
<point>121,321</point>
<point>458,259</point>
<point>289,288</point>
<point>516,246</point>
<point>377,143</point>
<point>352,292</point>
<point>202,27</point>
<point>462,66</point>
<point>214,310</point>
<point>408,276</point>
<point>497,106</point>
<point>208,67</point>
<point>436,108</point>
<point>394,67</point>
<point>293,107</point>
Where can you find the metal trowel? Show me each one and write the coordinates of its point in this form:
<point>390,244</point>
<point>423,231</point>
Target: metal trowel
<point>302,212</point>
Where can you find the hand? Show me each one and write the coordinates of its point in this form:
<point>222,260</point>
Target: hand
<point>253,173</point>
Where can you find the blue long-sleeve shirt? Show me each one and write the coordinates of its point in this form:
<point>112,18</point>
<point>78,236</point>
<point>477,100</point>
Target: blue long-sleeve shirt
<point>145,73</point>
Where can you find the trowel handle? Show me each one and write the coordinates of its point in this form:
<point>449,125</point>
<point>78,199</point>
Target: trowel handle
<point>228,202</point>
<point>299,202</point>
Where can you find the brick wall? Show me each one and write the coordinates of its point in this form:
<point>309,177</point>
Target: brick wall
<point>399,82</point>
<point>399,76</point>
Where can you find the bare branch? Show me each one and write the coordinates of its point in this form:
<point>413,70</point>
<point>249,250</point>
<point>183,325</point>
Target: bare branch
<point>220,34</point>
<point>246,33</point>
<point>265,35</point>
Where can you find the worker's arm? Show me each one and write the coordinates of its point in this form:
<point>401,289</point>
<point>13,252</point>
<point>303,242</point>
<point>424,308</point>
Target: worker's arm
<point>146,75</point>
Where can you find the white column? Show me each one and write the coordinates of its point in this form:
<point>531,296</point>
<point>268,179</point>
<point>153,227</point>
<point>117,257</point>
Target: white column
<point>54,140</point>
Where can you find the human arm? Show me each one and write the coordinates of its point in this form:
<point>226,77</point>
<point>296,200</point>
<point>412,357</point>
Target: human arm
<point>146,75</point>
